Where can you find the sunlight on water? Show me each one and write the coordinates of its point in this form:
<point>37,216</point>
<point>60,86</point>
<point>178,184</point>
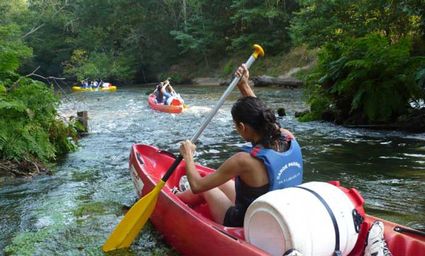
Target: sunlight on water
<point>198,110</point>
<point>74,210</point>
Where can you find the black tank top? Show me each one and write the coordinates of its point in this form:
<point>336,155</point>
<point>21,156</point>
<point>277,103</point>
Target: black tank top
<point>245,194</point>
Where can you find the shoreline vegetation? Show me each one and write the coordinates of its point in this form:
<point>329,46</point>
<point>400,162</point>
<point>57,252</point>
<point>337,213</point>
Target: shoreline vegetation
<point>62,140</point>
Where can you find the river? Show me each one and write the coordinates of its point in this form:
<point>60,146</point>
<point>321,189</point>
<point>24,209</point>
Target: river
<point>74,210</point>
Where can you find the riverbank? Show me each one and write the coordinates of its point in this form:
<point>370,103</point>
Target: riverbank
<point>292,64</point>
<point>283,70</point>
<point>412,122</point>
<point>22,168</point>
<point>76,127</point>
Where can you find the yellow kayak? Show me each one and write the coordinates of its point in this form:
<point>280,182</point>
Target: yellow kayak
<point>111,88</point>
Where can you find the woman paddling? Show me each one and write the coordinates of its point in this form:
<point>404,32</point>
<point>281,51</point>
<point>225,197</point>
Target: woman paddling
<point>274,161</point>
<point>166,94</point>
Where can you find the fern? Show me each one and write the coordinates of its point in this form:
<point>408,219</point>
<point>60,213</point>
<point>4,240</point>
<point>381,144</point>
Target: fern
<point>369,77</point>
<point>29,128</point>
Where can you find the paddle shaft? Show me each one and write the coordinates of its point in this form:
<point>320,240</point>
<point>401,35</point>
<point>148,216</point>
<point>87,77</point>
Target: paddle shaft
<point>207,120</point>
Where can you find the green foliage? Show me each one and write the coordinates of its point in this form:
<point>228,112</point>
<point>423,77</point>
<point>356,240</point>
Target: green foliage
<point>319,103</point>
<point>2,89</point>
<point>228,67</point>
<point>29,128</point>
<point>74,67</point>
<point>215,26</point>
<point>27,108</point>
<point>174,77</point>
<point>368,78</point>
<point>205,31</point>
<point>12,49</point>
<point>319,22</point>
<point>10,10</point>
<point>47,29</point>
<point>63,136</point>
<point>136,41</point>
<point>97,66</point>
<point>262,21</point>
<point>420,78</point>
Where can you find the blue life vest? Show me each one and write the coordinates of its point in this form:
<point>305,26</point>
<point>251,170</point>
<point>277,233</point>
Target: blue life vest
<point>285,169</point>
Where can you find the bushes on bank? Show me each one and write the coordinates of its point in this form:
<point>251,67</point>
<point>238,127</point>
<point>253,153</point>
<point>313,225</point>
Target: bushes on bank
<point>30,130</point>
<point>365,80</point>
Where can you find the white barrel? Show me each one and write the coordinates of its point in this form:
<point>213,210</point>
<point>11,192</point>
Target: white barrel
<point>294,218</point>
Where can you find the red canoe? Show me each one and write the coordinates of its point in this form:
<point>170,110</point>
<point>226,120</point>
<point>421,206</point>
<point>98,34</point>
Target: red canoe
<point>191,231</point>
<point>176,105</point>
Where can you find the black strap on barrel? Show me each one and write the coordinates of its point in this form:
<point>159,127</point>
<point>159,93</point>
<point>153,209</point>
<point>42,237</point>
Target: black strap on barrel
<point>331,214</point>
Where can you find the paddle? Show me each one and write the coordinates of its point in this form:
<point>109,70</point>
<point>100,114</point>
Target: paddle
<point>130,226</point>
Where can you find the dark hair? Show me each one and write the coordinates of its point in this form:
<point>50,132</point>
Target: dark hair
<point>252,111</point>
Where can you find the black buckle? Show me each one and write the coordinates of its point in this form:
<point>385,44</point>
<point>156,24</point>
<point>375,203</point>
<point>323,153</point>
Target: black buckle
<point>358,220</point>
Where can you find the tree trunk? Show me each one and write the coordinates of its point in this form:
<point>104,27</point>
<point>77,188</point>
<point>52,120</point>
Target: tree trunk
<point>285,82</point>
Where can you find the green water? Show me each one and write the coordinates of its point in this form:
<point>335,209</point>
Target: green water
<point>73,211</point>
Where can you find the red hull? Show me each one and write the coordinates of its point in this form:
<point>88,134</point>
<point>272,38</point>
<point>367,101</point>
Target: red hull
<point>164,108</point>
<point>191,231</point>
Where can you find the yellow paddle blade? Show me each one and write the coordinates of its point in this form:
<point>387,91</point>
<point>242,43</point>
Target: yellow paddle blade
<point>130,226</point>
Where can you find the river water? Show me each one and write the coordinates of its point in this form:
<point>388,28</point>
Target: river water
<point>73,211</point>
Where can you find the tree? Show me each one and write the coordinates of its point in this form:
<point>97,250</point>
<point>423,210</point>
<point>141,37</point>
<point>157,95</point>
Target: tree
<point>207,31</point>
<point>262,21</point>
<point>13,50</point>
<point>319,22</point>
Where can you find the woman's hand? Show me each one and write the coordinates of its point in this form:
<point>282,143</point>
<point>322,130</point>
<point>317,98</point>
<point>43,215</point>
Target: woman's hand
<point>243,84</point>
<point>187,148</point>
<point>242,72</point>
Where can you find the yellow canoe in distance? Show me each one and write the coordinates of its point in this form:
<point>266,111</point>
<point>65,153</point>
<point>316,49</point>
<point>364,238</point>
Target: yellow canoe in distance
<point>111,88</point>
